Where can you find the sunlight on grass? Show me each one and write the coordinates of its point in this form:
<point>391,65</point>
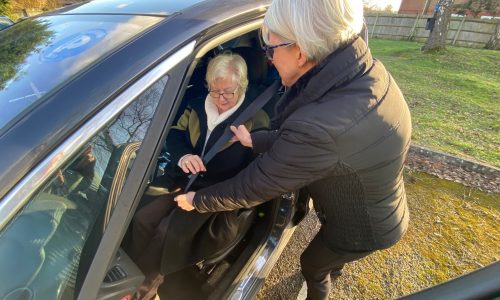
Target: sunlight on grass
<point>454,96</point>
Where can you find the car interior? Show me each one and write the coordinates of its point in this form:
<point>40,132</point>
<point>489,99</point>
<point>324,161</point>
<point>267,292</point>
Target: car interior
<point>212,275</point>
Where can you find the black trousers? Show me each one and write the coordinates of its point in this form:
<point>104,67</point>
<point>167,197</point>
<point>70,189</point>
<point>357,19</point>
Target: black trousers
<point>150,224</point>
<point>318,261</point>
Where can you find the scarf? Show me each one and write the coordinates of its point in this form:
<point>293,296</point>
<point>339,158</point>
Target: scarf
<point>213,116</point>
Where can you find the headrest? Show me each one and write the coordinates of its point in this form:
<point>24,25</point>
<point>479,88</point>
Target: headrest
<point>256,63</point>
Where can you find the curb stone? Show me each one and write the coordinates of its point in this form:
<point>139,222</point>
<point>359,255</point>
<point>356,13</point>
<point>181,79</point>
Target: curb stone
<point>465,164</point>
<point>446,166</point>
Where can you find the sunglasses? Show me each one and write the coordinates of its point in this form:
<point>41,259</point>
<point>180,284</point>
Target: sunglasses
<point>269,50</point>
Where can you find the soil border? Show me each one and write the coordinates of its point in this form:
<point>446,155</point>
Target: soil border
<point>447,166</point>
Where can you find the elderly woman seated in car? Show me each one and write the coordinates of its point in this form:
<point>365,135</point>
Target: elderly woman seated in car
<point>188,237</point>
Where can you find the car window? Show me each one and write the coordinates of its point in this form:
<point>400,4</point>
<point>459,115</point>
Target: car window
<point>37,55</point>
<point>40,249</point>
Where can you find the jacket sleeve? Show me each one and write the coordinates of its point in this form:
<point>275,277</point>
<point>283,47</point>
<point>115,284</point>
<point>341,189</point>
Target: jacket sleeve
<point>263,140</point>
<point>302,153</point>
<point>261,137</point>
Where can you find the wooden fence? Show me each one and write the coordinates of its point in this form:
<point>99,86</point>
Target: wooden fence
<point>465,32</point>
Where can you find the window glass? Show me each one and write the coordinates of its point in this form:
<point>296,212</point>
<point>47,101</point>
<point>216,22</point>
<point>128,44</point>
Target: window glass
<point>41,248</point>
<point>37,55</point>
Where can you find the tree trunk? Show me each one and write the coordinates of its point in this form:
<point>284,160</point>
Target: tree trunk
<point>494,42</point>
<point>437,36</point>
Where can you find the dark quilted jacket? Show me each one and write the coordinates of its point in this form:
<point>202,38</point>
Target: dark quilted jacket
<point>344,133</point>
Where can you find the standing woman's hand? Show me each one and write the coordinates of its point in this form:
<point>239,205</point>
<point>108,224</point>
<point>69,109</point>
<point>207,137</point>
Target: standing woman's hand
<point>241,134</point>
<point>185,201</point>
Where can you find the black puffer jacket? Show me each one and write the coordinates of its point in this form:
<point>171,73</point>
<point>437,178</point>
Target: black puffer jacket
<point>344,134</point>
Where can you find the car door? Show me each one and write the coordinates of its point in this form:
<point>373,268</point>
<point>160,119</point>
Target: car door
<point>107,272</point>
<point>71,198</point>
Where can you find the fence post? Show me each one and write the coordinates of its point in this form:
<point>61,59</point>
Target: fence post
<point>495,37</point>
<point>458,31</point>
<point>374,25</point>
<point>414,27</point>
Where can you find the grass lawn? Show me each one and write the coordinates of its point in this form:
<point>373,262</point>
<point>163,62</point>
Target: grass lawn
<point>454,96</point>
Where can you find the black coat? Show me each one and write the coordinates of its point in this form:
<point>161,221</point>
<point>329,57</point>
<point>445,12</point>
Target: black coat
<point>191,236</point>
<point>344,134</point>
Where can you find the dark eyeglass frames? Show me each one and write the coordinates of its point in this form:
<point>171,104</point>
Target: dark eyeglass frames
<point>269,50</point>
<point>225,95</point>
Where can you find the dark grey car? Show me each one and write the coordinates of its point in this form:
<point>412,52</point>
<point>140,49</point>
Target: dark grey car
<point>86,102</point>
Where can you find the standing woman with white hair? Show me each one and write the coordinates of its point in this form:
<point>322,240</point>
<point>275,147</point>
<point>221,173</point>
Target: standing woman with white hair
<point>344,134</point>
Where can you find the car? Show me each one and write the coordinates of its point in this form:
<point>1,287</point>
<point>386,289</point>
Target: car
<point>86,103</point>
<point>5,22</point>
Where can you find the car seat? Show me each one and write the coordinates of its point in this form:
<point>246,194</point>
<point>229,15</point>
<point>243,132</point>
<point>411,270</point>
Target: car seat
<point>257,77</point>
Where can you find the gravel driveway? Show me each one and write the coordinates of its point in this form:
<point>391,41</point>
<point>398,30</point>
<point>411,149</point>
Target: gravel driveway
<point>285,279</point>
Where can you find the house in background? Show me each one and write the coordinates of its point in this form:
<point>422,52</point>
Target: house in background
<point>413,7</point>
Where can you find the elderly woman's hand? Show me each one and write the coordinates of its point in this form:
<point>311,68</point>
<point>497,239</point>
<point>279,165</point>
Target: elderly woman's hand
<point>241,134</point>
<point>185,201</point>
<point>192,164</point>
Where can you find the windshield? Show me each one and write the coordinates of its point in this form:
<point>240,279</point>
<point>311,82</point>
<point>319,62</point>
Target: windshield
<point>37,55</point>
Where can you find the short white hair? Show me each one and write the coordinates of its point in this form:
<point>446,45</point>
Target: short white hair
<point>228,64</point>
<point>319,27</point>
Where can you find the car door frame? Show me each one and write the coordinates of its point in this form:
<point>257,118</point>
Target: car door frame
<point>151,146</point>
<point>174,67</point>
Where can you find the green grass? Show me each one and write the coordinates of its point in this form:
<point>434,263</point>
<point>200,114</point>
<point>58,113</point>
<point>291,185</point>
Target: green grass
<point>454,96</point>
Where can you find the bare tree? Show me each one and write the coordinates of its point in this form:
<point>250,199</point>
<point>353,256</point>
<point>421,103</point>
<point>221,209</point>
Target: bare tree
<point>437,36</point>
<point>476,7</point>
<point>494,42</point>
<point>369,7</point>
<point>3,6</point>
<point>45,5</point>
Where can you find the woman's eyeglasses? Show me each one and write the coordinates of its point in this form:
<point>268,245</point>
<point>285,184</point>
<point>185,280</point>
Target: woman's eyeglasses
<point>269,50</point>
<point>226,95</point>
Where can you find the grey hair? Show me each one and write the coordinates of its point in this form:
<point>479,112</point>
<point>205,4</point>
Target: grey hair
<point>318,27</point>
<point>227,63</point>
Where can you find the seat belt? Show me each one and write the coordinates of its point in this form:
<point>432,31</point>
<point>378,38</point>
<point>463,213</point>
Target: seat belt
<point>245,115</point>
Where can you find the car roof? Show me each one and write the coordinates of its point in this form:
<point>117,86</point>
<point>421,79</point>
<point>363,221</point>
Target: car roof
<point>135,7</point>
<point>74,102</point>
